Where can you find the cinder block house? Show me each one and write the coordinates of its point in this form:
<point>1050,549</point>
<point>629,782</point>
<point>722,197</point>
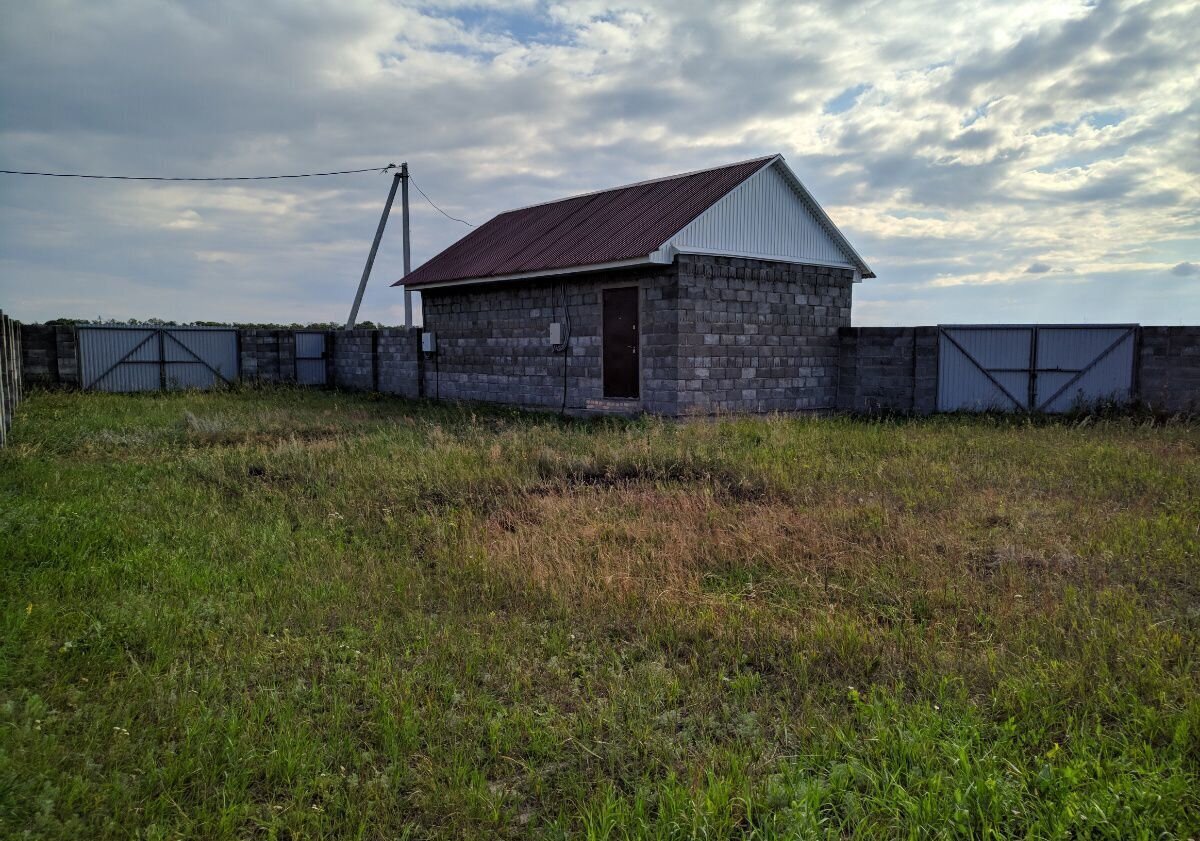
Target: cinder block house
<point>718,290</point>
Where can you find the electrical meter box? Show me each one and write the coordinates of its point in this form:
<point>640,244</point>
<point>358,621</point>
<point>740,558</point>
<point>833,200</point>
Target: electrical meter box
<point>428,342</point>
<point>556,334</point>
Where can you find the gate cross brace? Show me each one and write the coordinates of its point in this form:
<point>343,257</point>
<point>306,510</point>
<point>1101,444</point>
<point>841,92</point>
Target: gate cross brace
<point>983,370</point>
<point>157,333</point>
<point>195,357</point>
<point>113,367</point>
<point>1078,376</point>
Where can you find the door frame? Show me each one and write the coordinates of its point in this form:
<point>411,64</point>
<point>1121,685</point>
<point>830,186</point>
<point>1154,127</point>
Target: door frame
<point>624,284</point>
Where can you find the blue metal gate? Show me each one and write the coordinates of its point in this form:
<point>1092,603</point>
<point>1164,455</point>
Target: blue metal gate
<point>1034,368</point>
<point>134,358</point>
<point>310,358</point>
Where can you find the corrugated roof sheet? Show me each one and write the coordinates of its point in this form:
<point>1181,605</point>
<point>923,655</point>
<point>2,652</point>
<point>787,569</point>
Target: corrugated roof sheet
<point>619,224</point>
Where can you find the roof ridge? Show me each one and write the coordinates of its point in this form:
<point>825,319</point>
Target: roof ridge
<point>763,158</point>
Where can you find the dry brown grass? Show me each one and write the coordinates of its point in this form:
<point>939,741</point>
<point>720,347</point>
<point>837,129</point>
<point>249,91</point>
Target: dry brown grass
<point>669,543</point>
<point>850,589</point>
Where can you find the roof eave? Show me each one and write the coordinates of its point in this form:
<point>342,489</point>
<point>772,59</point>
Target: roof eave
<point>633,262</point>
<point>672,250</point>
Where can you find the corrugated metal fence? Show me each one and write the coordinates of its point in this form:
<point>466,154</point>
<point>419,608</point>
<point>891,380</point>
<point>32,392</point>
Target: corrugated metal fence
<point>11,382</point>
<point>311,357</point>
<point>136,358</point>
<point>1034,368</point>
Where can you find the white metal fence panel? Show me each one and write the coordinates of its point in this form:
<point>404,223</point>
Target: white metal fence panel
<point>310,358</point>
<point>1033,368</point>
<point>121,359</point>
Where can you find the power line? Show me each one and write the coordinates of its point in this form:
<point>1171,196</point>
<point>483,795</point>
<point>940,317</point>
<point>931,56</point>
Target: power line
<point>231,178</point>
<point>219,178</point>
<point>438,209</point>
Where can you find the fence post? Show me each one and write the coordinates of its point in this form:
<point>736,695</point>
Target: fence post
<point>237,355</point>
<point>54,369</point>
<point>414,338</point>
<point>10,398</point>
<point>20,360</point>
<point>1033,366</point>
<point>78,357</point>
<point>3,380</point>
<point>162,362</point>
<point>11,374</point>
<point>1135,386</point>
<point>330,359</point>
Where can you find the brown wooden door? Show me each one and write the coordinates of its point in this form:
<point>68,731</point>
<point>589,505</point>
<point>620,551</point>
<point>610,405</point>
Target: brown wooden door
<point>621,342</point>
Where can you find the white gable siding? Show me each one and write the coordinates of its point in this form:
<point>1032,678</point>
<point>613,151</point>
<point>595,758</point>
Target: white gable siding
<point>762,217</point>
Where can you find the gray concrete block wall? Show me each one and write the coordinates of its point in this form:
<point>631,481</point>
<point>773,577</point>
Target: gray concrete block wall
<point>1169,368</point>
<point>888,369</point>
<point>39,354</point>
<point>398,351</point>
<point>717,335</point>
<point>66,348</point>
<point>353,354</point>
<point>659,324</point>
<point>49,356</point>
<point>759,336</point>
<point>267,356</point>
<point>493,342</point>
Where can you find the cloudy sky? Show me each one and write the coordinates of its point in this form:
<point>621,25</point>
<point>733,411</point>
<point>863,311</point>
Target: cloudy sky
<point>1014,161</point>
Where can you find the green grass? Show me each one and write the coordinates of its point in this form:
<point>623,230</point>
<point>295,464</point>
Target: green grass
<point>281,614</point>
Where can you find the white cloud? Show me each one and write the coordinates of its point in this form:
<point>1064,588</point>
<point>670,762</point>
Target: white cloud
<point>983,140</point>
<point>186,220</point>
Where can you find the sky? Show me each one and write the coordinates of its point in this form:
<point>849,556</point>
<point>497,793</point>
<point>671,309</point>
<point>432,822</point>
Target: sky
<point>992,162</point>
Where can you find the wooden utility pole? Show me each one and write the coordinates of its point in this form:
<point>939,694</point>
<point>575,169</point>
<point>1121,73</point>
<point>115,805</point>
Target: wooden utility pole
<point>387,209</point>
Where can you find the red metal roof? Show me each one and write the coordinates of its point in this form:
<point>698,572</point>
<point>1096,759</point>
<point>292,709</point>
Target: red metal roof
<point>619,224</point>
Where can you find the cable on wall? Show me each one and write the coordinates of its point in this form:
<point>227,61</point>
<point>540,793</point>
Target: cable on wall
<point>564,346</point>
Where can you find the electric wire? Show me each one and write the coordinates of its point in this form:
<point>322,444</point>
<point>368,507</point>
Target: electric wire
<point>438,209</point>
<point>231,178</point>
<point>210,178</point>
<point>564,347</point>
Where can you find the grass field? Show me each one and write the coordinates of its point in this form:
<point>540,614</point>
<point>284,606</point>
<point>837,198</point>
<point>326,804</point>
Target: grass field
<point>280,614</point>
